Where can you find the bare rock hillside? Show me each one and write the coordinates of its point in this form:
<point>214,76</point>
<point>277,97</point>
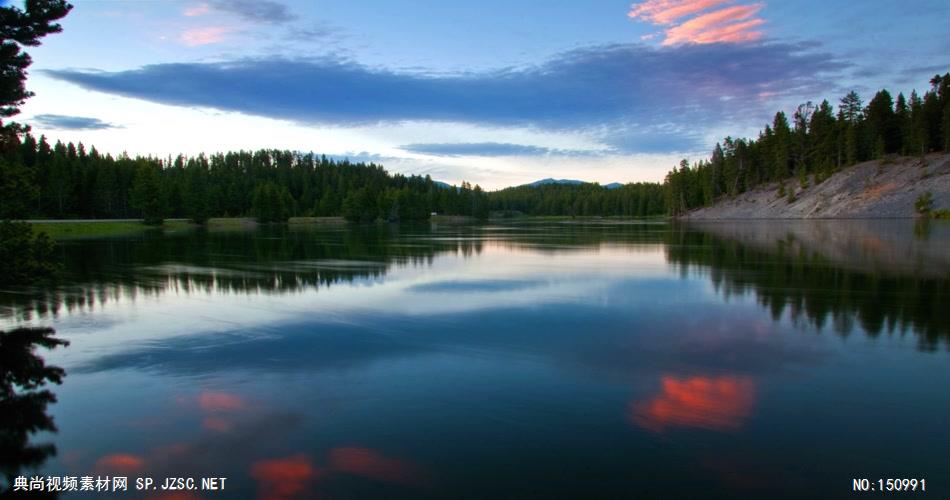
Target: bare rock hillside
<point>877,189</point>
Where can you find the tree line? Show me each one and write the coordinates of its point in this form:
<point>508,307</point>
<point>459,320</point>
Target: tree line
<point>815,144</point>
<point>588,199</point>
<point>67,181</point>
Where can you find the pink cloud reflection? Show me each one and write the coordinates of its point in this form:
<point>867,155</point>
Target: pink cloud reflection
<point>370,464</point>
<point>120,463</point>
<point>213,401</point>
<point>285,477</point>
<point>713,403</point>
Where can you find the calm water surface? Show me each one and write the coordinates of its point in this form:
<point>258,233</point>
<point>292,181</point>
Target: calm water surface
<point>522,360</point>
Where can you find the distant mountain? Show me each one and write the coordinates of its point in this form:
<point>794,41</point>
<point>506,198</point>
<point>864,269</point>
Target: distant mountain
<point>443,185</point>
<point>568,182</point>
<point>549,180</point>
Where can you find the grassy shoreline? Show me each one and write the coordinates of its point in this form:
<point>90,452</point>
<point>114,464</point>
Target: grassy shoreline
<point>94,229</point>
<point>60,229</point>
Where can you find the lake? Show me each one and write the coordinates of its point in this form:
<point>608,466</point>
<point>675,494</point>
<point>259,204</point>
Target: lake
<point>536,359</point>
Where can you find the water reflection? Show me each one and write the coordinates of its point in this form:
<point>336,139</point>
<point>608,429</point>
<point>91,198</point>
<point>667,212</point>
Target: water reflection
<point>24,400</point>
<point>120,464</point>
<point>275,260</point>
<point>285,477</point>
<point>370,464</point>
<point>831,273</point>
<point>549,359</point>
<point>713,403</point>
<point>837,274</point>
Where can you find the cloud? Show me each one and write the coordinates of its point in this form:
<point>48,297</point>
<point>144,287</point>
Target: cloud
<point>206,35</point>
<point>485,149</point>
<point>258,11</point>
<point>616,90</point>
<point>197,10</point>
<point>731,24</point>
<point>65,122</point>
<point>315,31</point>
<point>668,11</point>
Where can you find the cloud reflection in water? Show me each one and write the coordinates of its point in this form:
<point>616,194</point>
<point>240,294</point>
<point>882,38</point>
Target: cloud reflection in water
<point>712,403</point>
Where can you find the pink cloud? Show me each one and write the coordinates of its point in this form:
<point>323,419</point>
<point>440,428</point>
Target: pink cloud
<point>733,33</point>
<point>730,24</point>
<point>668,11</point>
<point>197,10</point>
<point>701,21</point>
<point>204,36</point>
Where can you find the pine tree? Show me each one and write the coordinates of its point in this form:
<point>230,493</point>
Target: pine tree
<point>196,194</point>
<point>480,210</point>
<point>271,203</point>
<point>823,137</point>
<point>717,166</point>
<point>22,28</point>
<point>802,144</point>
<point>147,196</point>
<point>881,123</point>
<point>17,190</point>
<point>852,113</point>
<point>902,124</point>
<point>781,145</point>
<point>851,107</point>
<point>918,128</point>
<point>358,206</point>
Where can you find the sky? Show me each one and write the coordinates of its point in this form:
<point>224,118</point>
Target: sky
<point>496,92</point>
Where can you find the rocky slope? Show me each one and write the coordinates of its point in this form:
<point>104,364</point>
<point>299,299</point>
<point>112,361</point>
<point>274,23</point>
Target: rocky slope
<point>877,189</point>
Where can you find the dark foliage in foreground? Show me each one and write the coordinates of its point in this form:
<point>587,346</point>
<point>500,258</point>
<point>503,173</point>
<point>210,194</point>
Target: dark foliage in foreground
<point>23,400</point>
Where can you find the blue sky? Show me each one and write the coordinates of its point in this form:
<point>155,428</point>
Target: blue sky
<point>493,92</point>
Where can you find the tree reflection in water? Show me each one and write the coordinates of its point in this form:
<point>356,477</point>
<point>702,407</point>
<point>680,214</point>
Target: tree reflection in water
<point>23,401</point>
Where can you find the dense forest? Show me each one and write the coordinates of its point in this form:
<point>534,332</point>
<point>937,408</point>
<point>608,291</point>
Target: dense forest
<point>67,181</point>
<point>268,184</point>
<point>815,144</point>
<point>631,200</point>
